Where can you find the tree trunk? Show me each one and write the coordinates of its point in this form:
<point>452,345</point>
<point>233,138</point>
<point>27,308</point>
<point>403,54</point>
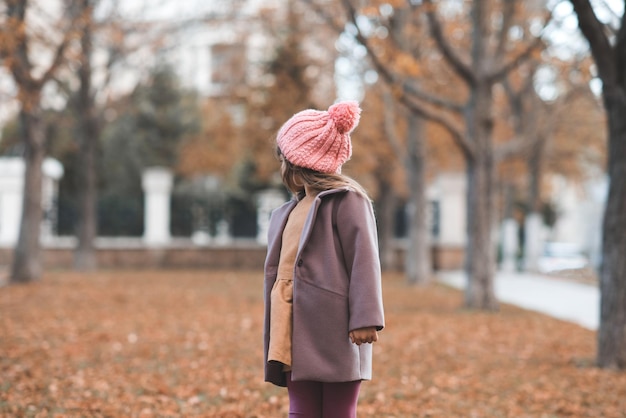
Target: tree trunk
<point>26,265</point>
<point>612,330</point>
<point>386,206</point>
<point>609,61</point>
<point>532,239</point>
<point>480,250</point>
<point>85,254</point>
<point>418,259</point>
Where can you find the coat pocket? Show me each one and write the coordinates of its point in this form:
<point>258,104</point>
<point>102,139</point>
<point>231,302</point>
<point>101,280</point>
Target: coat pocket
<point>321,346</point>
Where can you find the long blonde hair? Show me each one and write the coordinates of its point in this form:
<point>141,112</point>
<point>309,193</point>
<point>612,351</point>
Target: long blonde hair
<point>295,177</point>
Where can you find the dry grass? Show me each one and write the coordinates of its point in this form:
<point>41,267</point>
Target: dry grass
<point>188,343</point>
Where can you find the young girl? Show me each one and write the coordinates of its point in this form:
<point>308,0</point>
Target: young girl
<point>323,298</point>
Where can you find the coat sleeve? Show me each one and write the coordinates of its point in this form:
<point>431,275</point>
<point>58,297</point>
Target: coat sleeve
<point>356,228</point>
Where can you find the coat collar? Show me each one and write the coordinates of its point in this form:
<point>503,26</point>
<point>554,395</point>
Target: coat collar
<point>282,213</point>
<point>310,220</point>
<point>324,193</point>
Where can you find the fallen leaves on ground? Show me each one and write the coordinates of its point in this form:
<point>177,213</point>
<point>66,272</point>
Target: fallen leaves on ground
<point>189,344</point>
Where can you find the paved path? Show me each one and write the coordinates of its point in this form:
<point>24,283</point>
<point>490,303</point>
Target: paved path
<point>573,302</point>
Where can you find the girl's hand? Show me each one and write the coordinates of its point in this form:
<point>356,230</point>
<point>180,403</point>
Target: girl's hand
<point>364,335</point>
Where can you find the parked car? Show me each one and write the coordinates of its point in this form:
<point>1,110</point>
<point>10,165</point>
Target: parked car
<point>559,256</point>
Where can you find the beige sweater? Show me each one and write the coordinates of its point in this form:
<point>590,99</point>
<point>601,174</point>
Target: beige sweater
<point>282,291</point>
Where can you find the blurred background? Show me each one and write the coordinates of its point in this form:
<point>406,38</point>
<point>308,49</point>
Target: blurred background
<point>144,129</point>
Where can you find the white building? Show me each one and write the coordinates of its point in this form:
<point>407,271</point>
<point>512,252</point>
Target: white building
<point>580,210</point>
<point>218,47</point>
<point>11,195</point>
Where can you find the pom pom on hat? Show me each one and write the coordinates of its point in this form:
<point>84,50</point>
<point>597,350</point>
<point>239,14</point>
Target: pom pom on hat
<point>320,140</point>
<point>346,115</point>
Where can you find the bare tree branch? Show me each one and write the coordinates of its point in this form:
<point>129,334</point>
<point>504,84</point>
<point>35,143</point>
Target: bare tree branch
<point>15,44</point>
<point>409,95</point>
<point>402,89</point>
<point>57,61</point>
<point>461,68</point>
<point>390,130</point>
<point>392,78</point>
<point>609,27</point>
<point>526,139</point>
<point>516,97</point>
<point>599,43</point>
<point>516,61</point>
<point>418,93</point>
<point>467,148</point>
<point>507,19</point>
<point>20,65</point>
<point>525,126</point>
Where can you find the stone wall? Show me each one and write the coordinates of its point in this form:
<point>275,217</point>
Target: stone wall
<point>239,255</point>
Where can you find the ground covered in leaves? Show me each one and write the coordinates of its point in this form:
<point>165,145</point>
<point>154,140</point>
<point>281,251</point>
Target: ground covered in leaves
<point>189,344</point>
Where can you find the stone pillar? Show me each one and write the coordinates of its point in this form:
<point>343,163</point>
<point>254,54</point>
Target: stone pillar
<point>567,199</point>
<point>52,173</point>
<point>267,201</point>
<point>12,171</point>
<point>509,245</point>
<point>222,233</point>
<point>452,209</point>
<point>11,189</point>
<point>533,241</point>
<point>157,185</point>
<point>594,214</point>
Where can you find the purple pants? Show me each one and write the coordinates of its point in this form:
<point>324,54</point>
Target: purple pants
<point>309,399</point>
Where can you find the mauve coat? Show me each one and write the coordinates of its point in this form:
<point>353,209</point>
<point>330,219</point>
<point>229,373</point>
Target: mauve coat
<point>336,288</point>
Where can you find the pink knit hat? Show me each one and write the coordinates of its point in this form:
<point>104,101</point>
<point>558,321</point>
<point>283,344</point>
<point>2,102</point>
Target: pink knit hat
<point>320,140</point>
